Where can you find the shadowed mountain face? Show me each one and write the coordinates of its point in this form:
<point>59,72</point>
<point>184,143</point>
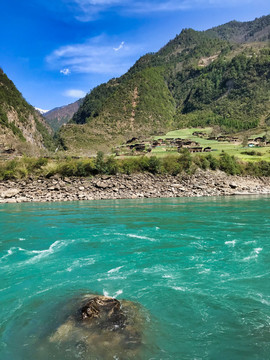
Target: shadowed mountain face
<point>217,77</point>
<point>22,128</point>
<point>61,115</point>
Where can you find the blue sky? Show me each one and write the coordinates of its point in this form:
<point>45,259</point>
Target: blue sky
<point>56,51</point>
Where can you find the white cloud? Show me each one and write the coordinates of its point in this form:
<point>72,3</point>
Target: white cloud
<point>65,71</point>
<point>178,5</point>
<point>74,93</point>
<point>95,56</point>
<point>89,10</point>
<point>119,47</point>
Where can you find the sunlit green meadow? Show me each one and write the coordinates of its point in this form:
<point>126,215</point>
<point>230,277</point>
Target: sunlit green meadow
<point>217,146</point>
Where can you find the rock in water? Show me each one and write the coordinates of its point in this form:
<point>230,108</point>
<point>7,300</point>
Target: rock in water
<point>104,313</point>
<point>104,327</point>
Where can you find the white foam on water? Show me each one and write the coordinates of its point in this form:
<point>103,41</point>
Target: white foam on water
<point>166,276</point>
<point>10,252</point>
<point>21,239</point>
<point>224,275</point>
<point>13,251</point>
<point>44,253</point>
<point>118,278</point>
<point>198,245</point>
<point>263,300</point>
<point>230,243</point>
<point>115,269</point>
<point>195,237</point>
<point>204,271</point>
<point>253,255</point>
<point>141,237</point>
<point>250,242</point>
<point>118,292</point>
<point>5,288</point>
<point>155,269</point>
<point>81,263</point>
<point>179,288</point>
<point>258,250</point>
<point>45,290</point>
<point>157,228</point>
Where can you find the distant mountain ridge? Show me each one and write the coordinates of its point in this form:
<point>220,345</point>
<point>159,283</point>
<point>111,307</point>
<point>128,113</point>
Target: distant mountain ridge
<point>214,77</point>
<point>22,128</point>
<point>243,32</point>
<point>61,115</point>
<point>41,110</point>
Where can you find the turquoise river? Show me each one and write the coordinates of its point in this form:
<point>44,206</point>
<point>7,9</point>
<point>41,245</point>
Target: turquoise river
<point>199,268</point>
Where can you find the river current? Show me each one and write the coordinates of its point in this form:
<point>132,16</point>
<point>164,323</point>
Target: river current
<point>199,267</point>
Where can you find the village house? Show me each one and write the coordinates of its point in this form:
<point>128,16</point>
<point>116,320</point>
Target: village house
<point>235,140</point>
<point>222,138</point>
<point>185,143</point>
<point>156,143</point>
<point>132,140</point>
<point>195,149</point>
<point>139,147</point>
<point>199,134</point>
<point>260,140</point>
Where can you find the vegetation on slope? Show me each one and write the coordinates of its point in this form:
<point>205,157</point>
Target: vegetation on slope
<point>233,93</point>
<point>197,79</point>
<point>21,118</point>
<point>239,32</point>
<point>171,164</point>
<point>113,112</point>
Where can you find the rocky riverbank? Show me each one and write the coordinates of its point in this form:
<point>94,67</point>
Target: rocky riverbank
<point>202,183</point>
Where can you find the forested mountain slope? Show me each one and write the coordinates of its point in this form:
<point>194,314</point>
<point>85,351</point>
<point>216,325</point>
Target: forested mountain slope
<point>243,32</point>
<point>197,79</point>
<point>22,128</point>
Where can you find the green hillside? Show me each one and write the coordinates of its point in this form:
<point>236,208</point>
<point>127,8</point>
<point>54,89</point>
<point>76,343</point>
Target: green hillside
<point>243,32</point>
<point>233,93</point>
<point>22,129</point>
<point>141,104</point>
<point>197,79</point>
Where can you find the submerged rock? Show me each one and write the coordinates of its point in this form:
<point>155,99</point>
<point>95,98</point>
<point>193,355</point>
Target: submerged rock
<point>104,327</point>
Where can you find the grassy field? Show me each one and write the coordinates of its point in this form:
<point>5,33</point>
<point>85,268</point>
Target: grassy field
<point>217,146</point>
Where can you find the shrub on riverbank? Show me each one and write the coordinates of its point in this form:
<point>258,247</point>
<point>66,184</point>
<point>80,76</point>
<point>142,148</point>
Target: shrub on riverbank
<point>171,164</point>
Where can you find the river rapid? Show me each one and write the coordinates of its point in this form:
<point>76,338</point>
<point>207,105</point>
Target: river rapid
<point>198,268</point>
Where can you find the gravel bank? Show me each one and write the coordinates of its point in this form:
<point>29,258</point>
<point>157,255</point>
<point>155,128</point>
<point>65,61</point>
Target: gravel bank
<point>202,183</point>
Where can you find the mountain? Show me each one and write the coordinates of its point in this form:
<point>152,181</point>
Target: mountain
<point>61,115</point>
<point>243,32</point>
<point>22,128</point>
<point>215,77</point>
<point>41,110</point>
